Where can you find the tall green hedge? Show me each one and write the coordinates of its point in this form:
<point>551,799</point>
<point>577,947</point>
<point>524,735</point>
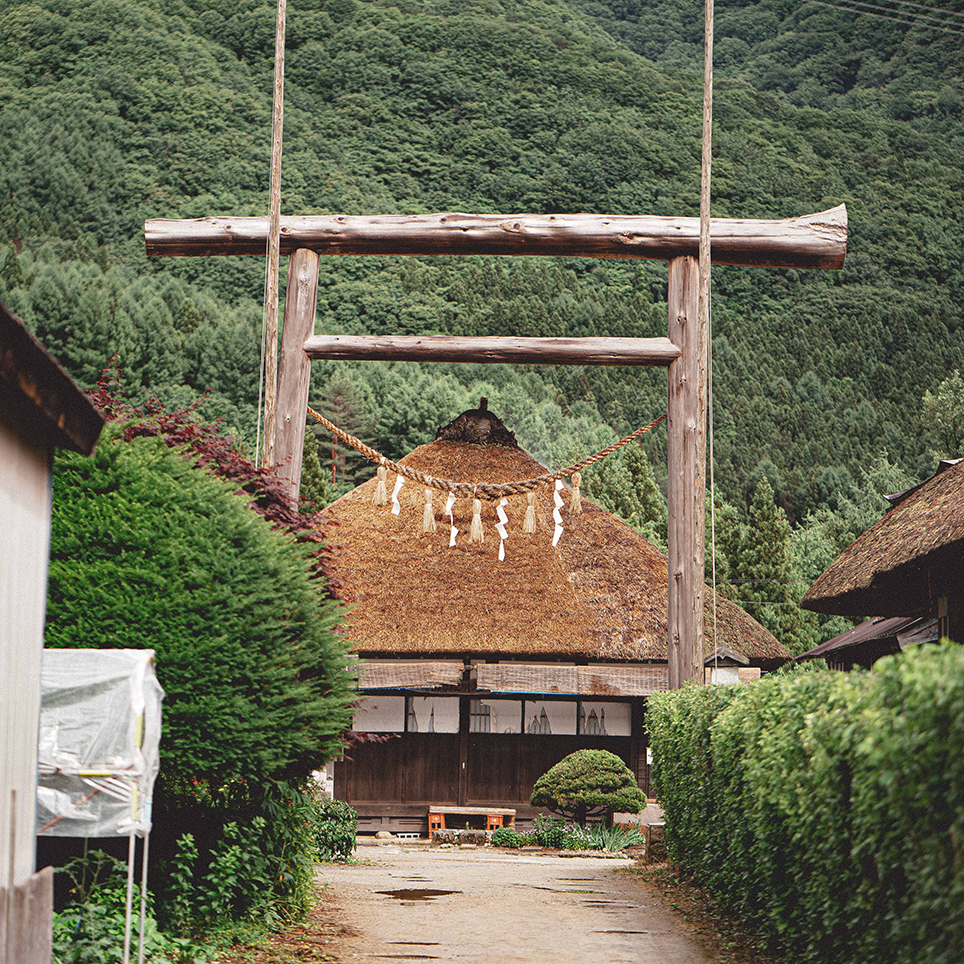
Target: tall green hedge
<point>150,550</point>
<point>826,809</point>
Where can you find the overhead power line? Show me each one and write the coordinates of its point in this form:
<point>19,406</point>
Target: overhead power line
<point>921,6</point>
<point>856,7</point>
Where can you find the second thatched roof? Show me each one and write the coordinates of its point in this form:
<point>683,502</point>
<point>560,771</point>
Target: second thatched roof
<point>893,568</point>
<point>600,594</point>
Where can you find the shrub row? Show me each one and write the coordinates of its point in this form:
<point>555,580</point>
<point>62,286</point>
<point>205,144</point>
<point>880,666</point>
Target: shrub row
<point>826,809</point>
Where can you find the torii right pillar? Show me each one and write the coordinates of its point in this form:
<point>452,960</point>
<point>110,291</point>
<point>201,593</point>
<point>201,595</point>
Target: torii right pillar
<point>686,473</point>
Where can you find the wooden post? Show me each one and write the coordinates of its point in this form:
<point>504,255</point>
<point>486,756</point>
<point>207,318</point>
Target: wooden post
<point>686,467</point>
<point>294,370</point>
<point>465,710</point>
<point>274,238</point>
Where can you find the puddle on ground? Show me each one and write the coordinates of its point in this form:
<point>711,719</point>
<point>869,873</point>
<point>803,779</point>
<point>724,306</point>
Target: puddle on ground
<point>423,893</point>
<point>406,957</point>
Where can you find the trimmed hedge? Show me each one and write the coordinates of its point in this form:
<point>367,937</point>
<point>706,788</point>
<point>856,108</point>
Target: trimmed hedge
<point>826,809</point>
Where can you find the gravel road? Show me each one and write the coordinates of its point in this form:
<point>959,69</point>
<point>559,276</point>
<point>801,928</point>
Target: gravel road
<point>495,907</point>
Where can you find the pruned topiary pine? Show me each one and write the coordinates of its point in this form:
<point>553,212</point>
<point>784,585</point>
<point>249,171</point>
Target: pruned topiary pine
<point>588,782</point>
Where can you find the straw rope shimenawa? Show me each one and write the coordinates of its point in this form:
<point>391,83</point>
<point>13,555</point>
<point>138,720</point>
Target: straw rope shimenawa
<point>479,490</point>
<point>599,594</point>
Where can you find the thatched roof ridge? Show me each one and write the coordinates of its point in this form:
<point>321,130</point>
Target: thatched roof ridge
<point>600,594</point>
<point>873,574</point>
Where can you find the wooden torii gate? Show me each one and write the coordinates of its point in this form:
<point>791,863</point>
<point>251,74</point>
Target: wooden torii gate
<point>812,241</point>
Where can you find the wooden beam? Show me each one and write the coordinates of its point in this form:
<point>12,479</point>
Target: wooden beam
<point>810,241</point>
<point>294,370</point>
<point>686,474</point>
<point>530,351</point>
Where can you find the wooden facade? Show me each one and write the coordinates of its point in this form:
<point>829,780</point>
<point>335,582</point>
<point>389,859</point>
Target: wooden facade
<point>392,778</point>
<point>40,408</point>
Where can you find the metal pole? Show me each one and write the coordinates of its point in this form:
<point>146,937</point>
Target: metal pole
<point>129,903</point>
<point>140,940</point>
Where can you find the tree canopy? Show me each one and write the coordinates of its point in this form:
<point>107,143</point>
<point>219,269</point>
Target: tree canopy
<point>588,782</point>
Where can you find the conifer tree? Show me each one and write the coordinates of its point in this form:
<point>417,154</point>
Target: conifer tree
<point>761,568</point>
<point>943,415</point>
<point>314,492</point>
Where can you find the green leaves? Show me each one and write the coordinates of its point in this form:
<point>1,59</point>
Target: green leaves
<point>149,551</point>
<point>825,808</point>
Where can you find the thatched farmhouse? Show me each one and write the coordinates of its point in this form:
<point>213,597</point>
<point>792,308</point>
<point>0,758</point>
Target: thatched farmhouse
<point>911,563</point>
<point>479,674</point>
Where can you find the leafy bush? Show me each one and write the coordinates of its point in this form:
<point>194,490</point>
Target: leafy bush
<point>149,550</point>
<point>510,837</point>
<point>336,824</point>
<point>256,862</point>
<point>588,782</point>
<point>826,809</point>
<point>90,928</point>
<point>560,834</point>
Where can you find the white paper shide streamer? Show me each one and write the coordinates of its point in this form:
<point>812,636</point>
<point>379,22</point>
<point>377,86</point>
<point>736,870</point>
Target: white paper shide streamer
<point>500,526</point>
<point>449,502</point>
<point>396,505</point>
<point>556,514</point>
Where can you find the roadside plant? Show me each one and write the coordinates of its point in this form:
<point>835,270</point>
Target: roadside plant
<point>255,867</point>
<point>561,834</point>
<point>826,809</point>
<point>510,837</point>
<point>336,824</point>
<point>613,839</point>
<point>152,546</point>
<point>90,928</point>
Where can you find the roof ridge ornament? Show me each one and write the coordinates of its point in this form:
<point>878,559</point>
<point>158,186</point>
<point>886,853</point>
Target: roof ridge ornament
<point>478,426</point>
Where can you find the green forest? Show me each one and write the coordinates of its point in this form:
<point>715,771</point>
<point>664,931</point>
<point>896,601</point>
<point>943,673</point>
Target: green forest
<point>830,388</point>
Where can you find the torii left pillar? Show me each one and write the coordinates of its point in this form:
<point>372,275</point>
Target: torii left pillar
<point>811,241</point>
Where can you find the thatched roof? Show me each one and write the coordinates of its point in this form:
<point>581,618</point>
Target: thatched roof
<point>890,569</point>
<point>599,594</point>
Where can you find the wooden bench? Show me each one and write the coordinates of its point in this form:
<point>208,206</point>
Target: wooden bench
<point>495,817</point>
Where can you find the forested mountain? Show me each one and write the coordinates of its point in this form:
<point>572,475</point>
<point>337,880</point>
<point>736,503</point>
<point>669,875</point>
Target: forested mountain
<point>117,110</point>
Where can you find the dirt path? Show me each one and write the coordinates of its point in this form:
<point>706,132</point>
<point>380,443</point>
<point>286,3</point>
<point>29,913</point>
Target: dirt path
<point>500,908</point>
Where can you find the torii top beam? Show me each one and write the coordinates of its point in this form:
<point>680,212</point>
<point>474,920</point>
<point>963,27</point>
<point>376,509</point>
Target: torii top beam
<point>810,241</point>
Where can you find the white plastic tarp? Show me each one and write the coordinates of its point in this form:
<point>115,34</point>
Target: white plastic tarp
<point>100,725</point>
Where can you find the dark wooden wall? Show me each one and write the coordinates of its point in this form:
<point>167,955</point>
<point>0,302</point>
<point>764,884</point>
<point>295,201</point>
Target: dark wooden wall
<point>424,768</point>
